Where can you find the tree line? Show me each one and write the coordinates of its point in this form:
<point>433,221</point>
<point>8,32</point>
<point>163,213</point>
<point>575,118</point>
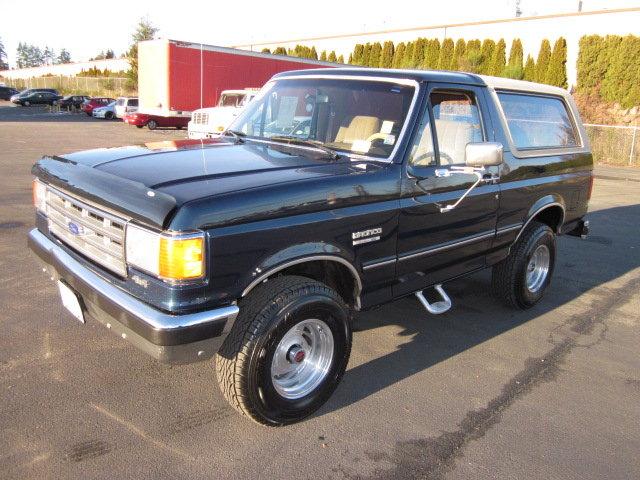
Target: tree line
<point>609,67</point>
<point>486,57</point>
<point>28,55</point>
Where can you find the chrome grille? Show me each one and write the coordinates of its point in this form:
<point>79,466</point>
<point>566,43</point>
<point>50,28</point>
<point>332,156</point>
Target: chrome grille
<point>91,231</point>
<point>200,118</point>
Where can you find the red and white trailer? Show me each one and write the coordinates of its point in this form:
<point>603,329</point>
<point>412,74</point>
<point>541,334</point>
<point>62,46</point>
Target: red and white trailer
<point>175,78</point>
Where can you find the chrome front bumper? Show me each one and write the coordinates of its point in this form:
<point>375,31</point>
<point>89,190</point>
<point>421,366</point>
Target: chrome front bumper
<point>168,338</point>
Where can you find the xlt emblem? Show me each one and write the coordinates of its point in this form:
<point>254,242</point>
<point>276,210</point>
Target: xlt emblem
<point>366,236</point>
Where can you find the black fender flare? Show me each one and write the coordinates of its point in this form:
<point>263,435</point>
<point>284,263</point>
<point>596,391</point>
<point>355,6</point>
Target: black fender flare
<point>302,253</point>
<point>543,203</point>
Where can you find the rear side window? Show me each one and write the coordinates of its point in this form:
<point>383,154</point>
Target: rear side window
<point>538,122</point>
<point>133,102</point>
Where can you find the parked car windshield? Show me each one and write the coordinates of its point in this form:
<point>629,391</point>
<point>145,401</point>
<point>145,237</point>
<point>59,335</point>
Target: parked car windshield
<point>357,116</point>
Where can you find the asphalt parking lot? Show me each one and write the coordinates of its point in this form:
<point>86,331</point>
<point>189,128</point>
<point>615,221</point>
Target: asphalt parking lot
<point>479,392</point>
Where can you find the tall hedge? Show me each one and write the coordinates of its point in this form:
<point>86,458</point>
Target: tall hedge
<point>542,64</point>
<point>386,61</point>
<point>529,71</point>
<point>486,52</point>
<point>458,53</point>
<point>432,54</point>
<point>620,83</point>
<point>446,55</point>
<point>557,71</point>
<point>398,55</point>
<point>376,53</point>
<point>499,58</point>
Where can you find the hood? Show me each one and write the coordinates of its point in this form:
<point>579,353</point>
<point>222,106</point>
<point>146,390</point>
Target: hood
<point>177,172</point>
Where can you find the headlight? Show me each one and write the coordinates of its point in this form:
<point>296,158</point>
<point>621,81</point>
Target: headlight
<point>169,257</point>
<point>39,196</point>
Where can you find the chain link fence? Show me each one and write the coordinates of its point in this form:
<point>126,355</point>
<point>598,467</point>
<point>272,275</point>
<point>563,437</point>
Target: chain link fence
<point>614,144</point>
<point>108,86</point>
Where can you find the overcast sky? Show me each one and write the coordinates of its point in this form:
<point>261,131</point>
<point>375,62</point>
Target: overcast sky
<point>86,27</point>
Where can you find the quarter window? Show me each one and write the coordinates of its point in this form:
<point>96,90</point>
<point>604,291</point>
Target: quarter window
<point>537,121</point>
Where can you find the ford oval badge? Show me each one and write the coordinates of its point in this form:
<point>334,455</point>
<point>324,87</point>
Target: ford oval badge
<point>75,229</point>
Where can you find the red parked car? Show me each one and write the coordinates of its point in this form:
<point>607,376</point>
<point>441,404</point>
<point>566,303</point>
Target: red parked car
<point>154,121</point>
<point>95,102</point>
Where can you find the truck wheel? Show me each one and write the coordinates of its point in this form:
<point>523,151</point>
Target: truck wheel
<point>152,124</point>
<point>286,352</point>
<point>521,279</point>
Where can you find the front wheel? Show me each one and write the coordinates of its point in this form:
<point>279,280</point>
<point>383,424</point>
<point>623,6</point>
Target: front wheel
<point>521,279</point>
<point>26,104</point>
<point>139,126</point>
<point>152,124</point>
<point>286,352</point>
<point>108,115</point>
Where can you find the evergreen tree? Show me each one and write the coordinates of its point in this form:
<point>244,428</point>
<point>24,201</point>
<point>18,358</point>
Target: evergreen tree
<point>432,54</point>
<point>499,58</point>
<point>313,53</point>
<point>418,53</point>
<point>323,56</point>
<point>63,57</point>
<point>398,55</point>
<point>358,52</point>
<point>376,54</point>
<point>144,31</point>
<point>446,55</point>
<point>529,71</point>
<point>332,57</point>
<point>516,55</point>
<point>387,55</point>
<point>340,58</point>
<point>280,51</point>
<point>4,65</point>
<point>109,54</point>
<point>48,56</point>
<point>557,71</point>
<point>622,78</point>
<point>542,64</point>
<point>407,61</point>
<point>458,54</point>
<point>486,53</point>
<point>366,54</point>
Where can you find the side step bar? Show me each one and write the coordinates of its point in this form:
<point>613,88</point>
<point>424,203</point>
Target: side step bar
<point>436,308</point>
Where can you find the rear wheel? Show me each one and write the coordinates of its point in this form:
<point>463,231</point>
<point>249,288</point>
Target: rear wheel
<point>108,115</point>
<point>521,279</point>
<point>152,124</point>
<point>286,352</point>
<point>26,104</point>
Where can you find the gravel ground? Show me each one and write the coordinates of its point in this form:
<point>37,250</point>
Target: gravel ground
<point>480,392</point>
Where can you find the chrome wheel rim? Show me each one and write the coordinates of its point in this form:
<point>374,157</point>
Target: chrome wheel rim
<point>302,359</point>
<point>538,268</point>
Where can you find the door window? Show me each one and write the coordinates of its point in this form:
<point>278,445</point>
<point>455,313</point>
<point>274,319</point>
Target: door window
<point>456,117</point>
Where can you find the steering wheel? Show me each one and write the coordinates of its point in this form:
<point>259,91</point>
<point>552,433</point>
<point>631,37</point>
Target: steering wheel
<point>430,155</point>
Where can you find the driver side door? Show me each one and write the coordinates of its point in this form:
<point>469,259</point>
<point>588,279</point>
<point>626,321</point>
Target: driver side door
<point>435,245</point>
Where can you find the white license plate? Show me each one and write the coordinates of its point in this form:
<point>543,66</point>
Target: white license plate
<point>70,301</point>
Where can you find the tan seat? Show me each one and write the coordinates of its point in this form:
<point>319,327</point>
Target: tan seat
<point>453,138</point>
<point>361,127</point>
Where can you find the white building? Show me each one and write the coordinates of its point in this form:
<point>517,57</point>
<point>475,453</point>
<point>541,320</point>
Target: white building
<point>67,69</point>
<point>531,30</point>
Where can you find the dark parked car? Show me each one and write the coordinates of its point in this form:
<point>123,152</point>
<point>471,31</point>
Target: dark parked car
<point>73,101</point>
<point>95,102</point>
<point>7,92</point>
<point>29,91</point>
<point>257,247</point>
<point>38,97</point>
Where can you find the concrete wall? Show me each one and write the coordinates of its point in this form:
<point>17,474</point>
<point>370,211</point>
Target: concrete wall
<point>67,69</point>
<point>531,30</point>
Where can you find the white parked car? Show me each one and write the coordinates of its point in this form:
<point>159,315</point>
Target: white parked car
<point>108,111</point>
<point>210,122</point>
<point>126,105</point>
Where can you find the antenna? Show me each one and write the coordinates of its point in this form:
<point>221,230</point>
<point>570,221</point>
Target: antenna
<point>518,9</point>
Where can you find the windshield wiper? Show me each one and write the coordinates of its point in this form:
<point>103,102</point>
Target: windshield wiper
<point>291,140</point>
<point>237,135</point>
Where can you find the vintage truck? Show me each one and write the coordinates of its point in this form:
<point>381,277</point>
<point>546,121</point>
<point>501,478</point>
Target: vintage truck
<point>335,190</point>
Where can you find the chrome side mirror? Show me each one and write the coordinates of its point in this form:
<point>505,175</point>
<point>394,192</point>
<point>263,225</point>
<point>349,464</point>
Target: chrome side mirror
<point>483,154</point>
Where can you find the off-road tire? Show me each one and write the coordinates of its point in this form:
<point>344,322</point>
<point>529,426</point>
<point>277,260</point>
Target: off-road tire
<point>243,364</point>
<point>509,276</point>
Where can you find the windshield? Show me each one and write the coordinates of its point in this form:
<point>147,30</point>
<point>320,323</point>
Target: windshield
<point>230,100</point>
<point>357,116</point>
